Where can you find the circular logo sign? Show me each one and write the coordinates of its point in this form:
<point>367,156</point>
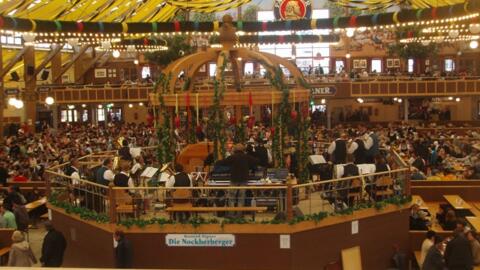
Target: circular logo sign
<point>292,9</point>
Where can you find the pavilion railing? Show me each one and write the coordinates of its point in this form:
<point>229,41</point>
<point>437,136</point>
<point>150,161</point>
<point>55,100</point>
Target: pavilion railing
<point>262,202</point>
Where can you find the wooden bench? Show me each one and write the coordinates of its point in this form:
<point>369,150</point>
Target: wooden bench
<point>3,255</point>
<point>215,209</point>
<point>181,208</point>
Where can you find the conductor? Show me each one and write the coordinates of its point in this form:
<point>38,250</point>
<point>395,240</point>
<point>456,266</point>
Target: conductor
<point>240,165</point>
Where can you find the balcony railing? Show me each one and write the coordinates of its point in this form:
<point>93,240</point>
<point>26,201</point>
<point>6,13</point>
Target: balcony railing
<point>378,86</point>
<point>265,201</point>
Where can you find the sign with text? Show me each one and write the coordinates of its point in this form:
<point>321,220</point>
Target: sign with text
<point>328,90</point>
<point>43,89</point>
<point>11,91</point>
<point>200,240</point>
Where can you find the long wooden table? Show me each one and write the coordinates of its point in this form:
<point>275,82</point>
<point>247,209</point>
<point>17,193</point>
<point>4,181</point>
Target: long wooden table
<point>457,202</point>
<point>36,204</point>
<point>475,222</point>
<point>419,201</point>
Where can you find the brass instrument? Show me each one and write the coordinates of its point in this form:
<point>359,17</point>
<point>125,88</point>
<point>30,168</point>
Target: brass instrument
<point>116,161</point>
<point>168,168</point>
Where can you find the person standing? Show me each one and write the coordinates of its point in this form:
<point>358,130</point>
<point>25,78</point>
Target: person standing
<point>104,175</point>
<point>123,251</point>
<point>472,237</point>
<point>123,178</point>
<point>180,179</point>
<point>53,248</point>
<point>372,144</point>
<point>3,173</point>
<point>434,259</point>
<point>338,150</point>
<point>21,254</point>
<point>240,165</point>
<point>359,151</point>
<point>261,154</point>
<point>458,254</point>
<point>21,216</point>
<point>426,245</point>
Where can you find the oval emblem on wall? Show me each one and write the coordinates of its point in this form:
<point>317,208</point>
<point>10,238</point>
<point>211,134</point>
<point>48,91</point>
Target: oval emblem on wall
<point>292,9</point>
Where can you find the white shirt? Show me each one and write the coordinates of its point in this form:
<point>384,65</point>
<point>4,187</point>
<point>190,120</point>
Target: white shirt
<point>136,167</point>
<point>332,147</point>
<point>426,245</point>
<point>108,175</point>
<point>353,147</point>
<point>368,141</point>
<point>75,177</point>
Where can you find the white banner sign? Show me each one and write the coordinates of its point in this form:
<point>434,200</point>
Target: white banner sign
<point>200,240</point>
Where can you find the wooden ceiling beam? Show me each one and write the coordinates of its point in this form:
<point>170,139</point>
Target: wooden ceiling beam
<point>82,50</point>
<point>58,48</point>
<point>90,65</point>
<point>12,62</point>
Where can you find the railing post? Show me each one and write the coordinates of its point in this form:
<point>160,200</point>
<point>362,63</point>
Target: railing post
<point>407,182</point>
<point>289,200</point>
<point>113,204</point>
<point>48,187</point>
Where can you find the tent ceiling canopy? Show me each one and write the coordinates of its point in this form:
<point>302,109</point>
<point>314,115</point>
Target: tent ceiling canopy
<point>110,10</point>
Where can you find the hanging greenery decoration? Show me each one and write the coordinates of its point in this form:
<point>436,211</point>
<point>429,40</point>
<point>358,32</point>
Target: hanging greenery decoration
<point>191,136</point>
<point>414,50</point>
<point>178,46</point>
<point>216,117</point>
<point>303,149</point>
<point>166,147</point>
<point>281,120</point>
<point>240,133</point>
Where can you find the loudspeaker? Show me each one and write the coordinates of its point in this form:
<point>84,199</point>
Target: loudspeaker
<point>44,75</point>
<point>15,76</point>
<point>30,70</point>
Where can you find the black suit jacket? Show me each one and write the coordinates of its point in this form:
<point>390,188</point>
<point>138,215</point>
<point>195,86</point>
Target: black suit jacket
<point>458,254</point>
<point>433,260</point>
<point>54,245</point>
<point>240,164</point>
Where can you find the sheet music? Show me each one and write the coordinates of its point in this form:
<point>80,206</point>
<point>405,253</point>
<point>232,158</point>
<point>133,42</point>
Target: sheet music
<point>149,172</point>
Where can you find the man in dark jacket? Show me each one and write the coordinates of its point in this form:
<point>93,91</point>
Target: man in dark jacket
<point>261,154</point>
<point>3,173</point>
<point>124,152</point>
<point>123,251</point>
<point>458,254</point>
<point>240,165</point>
<point>434,259</point>
<point>54,245</point>
<point>21,214</point>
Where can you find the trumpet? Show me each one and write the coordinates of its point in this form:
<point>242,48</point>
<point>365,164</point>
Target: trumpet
<point>168,168</point>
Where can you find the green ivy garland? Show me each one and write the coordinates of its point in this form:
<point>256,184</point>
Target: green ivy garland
<point>191,136</point>
<point>281,120</point>
<point>84,213</point>
<point>165,148</point>
<point>240,134</point>
<point>87,214</point>
<point>216,117</point>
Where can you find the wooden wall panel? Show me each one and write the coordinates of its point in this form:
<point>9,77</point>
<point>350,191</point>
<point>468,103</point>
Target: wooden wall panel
<point>91,246</point>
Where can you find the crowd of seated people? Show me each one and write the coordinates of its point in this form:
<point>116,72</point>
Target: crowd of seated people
<point>25,155</point>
